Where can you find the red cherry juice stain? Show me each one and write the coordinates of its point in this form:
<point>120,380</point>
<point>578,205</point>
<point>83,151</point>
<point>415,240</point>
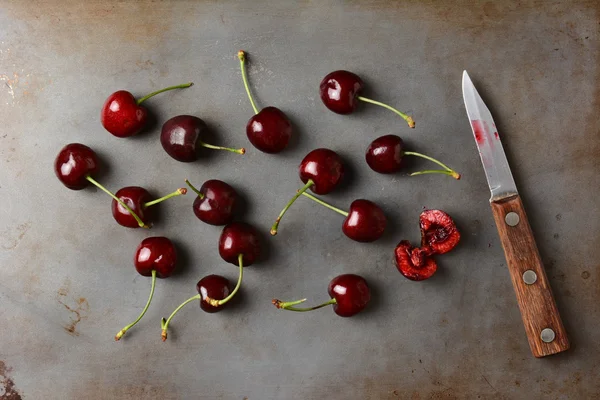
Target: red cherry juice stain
<point>479,131</point>
<point>496,135</point>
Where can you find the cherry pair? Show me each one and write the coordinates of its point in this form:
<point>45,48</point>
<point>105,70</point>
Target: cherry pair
<point>439,235</point>
<point>74,167</point>
<point>124,116</point>
<point>321,171</point>
<point>239,244</point>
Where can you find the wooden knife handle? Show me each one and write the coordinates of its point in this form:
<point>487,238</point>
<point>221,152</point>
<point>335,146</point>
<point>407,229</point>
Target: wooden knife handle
<point>533,291</point>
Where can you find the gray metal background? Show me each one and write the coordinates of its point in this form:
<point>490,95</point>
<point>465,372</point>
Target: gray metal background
<point>67,280</point>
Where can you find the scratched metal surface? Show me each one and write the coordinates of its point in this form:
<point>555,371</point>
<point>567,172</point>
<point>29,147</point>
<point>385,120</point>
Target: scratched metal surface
<point>67,280</point>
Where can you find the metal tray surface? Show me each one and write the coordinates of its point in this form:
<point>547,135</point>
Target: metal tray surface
<point>67,281</point>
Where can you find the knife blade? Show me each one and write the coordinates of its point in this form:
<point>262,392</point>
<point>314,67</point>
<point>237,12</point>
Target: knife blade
<point>543,325</point>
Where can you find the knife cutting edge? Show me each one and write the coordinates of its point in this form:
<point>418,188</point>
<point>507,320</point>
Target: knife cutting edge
<point>543,325</point>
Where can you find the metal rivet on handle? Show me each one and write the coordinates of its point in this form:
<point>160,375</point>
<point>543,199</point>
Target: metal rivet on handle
<point>547,335</point>
<point>512,218</point>
<point>529,277</point>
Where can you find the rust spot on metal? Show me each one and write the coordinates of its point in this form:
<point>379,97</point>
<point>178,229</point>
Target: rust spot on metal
<point>7,386</point>
<point>585,274</point>
<point>79,310</point>
<point>11,238</point>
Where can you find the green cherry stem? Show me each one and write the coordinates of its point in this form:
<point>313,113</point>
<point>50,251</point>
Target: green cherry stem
<point>309,183</point>
<point>164,324</point>
<point>407,118</point>
<point>321,202</point>
<point>122,331</point>
<point>194,189</point>
<point>453,174</point>
<point>289,305</point>
<point>105,190</point>
<point>178,192</point>
<point>216,303</point>
<point>182,86</point>
<point>447,170</point>
<point>210,146</point>
<point>242,56</point>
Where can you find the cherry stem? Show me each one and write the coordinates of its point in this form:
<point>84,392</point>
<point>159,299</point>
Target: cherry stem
<point>289,305</point>
<point>321,202</point>
<point>178,192</point>
<point>122,331</point>
<point>242,56</point>
<point>453,174</point>
<point>407,118</point>
<point>105,190</point>
<point>182,86</point>
<point>194,189</point>
<point>210,146</point>
<point>165,324</point>
<point>309,183</point>
<point>216,303</point>
<point>448,170</point>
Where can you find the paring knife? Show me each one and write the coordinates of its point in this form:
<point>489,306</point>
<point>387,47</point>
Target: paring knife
<point>544,328</point>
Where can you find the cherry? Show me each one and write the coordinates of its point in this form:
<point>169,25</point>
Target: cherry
<point>364,223</point>
<point>321,170</point>
<point>239,238</point>
<point>137,201</point>
<point>181,136</point>
<point>349,294</point>
<point>155,256</point>
<point>269,130</point>
<point>74,165</point>
<point>438,231</point>
<point>123,116</point>
<point>384,155</point>
<point>211,289</point>
<point>340,93</point>
<point>414,264</point>
<point>215,202</point>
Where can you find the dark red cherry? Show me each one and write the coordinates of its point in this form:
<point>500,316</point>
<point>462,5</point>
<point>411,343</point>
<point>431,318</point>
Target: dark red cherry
<point>384,154</point>
<point>321,170</point>
<point>135,197</point>
<point>123,116</point>
<point>182,135</point>
<point>179,137</point>
<point>365,221</point>
<point>155,257</point>
<point>351,293</point>
<point>215,202</point>
<point>155,253</point>
<point>324,167</point>
<point>339,91</point>
<point>74,164</point>
<point>438,231</point>
<point>239,238</point>
<point>270,130</point>
<point>213,287</point>
<point>414,263</point>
